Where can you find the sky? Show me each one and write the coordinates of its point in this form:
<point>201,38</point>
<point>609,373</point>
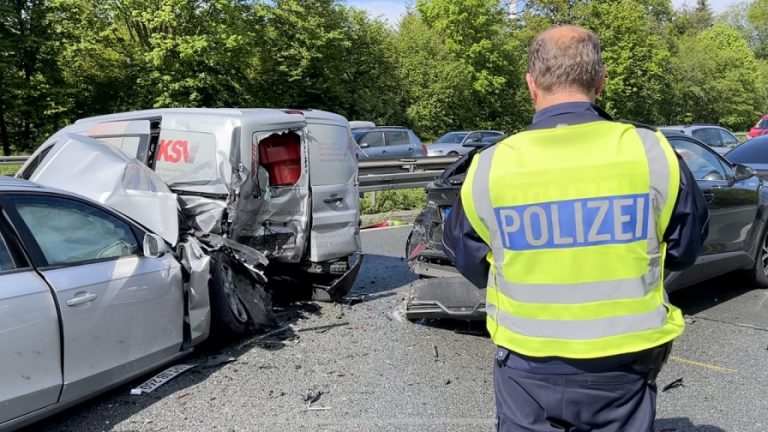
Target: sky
<point>392,10</point>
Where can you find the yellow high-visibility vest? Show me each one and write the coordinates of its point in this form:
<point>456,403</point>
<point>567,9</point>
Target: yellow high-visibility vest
<point>575,217</point>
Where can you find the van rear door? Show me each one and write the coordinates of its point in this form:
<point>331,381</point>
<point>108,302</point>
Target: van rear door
<point>335,231</point>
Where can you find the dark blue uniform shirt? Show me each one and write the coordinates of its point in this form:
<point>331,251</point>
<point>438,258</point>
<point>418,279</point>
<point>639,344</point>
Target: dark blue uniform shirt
<point>684,236</point>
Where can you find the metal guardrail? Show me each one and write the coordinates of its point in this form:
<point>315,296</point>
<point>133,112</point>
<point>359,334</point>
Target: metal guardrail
<point>375,175</point>
<point>13,160</point>
<point>381,175</point>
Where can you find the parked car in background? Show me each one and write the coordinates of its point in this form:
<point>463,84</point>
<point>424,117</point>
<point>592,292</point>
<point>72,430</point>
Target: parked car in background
<point>760,128</point>
<point>460,142</point>
<point>752,153</point>
<point>360,124</point>
<point>89,298</point>
<point>718,138</point>
<point>271,194</point>
<point>738,238</point>
<point>388,142</point>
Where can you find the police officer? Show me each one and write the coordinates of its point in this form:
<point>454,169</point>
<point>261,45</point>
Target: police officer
<point>570,225</point>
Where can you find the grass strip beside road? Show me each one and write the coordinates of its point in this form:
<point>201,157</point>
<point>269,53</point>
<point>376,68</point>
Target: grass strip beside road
<point>9,170</point>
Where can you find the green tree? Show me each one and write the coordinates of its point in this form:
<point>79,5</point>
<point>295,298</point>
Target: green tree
<point>635,57</point>
<point>717,80</point>
<point>32,101</point>
<point>157,53</point>
<point>757,17</point>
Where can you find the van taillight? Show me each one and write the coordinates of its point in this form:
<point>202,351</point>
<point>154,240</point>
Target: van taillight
<point>280,155</point>
<point>424,148</point>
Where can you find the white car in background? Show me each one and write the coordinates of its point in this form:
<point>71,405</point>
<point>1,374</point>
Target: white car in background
<point>461,142</point>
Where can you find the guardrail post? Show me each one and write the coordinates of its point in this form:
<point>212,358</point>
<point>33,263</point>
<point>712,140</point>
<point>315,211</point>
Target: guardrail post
<point>373,199</point>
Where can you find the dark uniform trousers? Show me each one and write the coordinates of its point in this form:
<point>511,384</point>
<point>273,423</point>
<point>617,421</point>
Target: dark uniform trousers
<point>606,395</point>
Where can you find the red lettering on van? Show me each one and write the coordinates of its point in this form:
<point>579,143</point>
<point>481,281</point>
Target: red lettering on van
<point>173,151</point>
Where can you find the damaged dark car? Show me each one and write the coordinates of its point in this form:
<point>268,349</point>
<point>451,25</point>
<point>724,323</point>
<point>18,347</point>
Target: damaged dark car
<point>738,238</point>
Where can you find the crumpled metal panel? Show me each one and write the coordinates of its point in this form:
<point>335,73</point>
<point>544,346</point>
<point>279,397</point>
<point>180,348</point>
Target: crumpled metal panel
<point>274,220</point>
<point>204,215</point>
<point>198,264</point>
<point>105,174</point>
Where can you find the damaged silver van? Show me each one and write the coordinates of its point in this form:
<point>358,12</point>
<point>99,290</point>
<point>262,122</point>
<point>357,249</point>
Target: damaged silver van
<point>272,195</point>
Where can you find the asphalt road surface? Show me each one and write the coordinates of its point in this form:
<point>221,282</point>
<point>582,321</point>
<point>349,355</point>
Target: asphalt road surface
<point>357,367</point>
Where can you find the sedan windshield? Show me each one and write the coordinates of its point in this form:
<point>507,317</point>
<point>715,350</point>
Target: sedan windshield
<point>752,151</point>
<point>452,138</point>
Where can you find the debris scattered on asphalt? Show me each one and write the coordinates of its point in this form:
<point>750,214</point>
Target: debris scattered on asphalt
<point>274,332</point>
<point>163,377</point>
<point>324,328</point>
<point>690,319</point>
<point>311,408</point>
<point>674,384</point>
<point>217,360</point>
<point>434,347</point>
<point>350,301</point>
<point>183,395</point>
<point>397,315</point>
<point>447,382</point>
<point>313,395</point>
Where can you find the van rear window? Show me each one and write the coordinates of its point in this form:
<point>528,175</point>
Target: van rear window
<point>186,158</point>
<point>332,154</point>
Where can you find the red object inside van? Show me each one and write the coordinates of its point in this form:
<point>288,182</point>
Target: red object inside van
<point>280,155</point>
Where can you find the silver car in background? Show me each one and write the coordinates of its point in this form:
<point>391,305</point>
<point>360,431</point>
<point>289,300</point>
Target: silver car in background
<point>89,298</point>
<point>388,142</point>
<point>718,138</point>
<point>461,142</point>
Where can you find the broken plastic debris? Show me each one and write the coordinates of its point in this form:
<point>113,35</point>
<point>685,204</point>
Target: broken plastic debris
<point>163,377</point>
<point>323,328</point>
<point>397,315</point>
<point>217,360</point>
<point>674,384</point>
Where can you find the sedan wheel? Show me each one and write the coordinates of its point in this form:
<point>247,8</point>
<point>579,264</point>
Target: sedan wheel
<point>760,273</point>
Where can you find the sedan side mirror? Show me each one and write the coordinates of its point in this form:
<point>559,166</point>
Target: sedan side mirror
<point>154,246</point>
<point>742,172</point>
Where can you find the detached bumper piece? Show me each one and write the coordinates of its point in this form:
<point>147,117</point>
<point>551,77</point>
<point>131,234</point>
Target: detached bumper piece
<point>340,286</point>
<point>449,297</point>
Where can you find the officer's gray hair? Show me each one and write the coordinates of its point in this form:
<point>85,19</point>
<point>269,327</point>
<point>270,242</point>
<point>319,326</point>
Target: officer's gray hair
<point>566,57</point>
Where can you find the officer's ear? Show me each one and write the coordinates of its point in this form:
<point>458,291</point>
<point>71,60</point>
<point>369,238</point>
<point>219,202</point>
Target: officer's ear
<point>601,82</point>
<point>532,87</point>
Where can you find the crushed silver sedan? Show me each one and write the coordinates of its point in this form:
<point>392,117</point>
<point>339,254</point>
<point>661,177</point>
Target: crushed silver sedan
<point>89,298</point>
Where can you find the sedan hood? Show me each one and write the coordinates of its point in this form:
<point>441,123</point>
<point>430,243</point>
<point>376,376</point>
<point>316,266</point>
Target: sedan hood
<point>105,174</point>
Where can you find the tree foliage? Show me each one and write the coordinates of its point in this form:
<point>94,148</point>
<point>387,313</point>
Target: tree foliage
<point>449,64</point>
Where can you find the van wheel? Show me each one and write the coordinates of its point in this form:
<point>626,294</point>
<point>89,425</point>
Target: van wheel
<point>238,303</point>
<point>760,272</point>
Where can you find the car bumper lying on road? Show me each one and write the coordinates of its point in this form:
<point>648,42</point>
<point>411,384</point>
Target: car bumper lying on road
<point>449,297</point>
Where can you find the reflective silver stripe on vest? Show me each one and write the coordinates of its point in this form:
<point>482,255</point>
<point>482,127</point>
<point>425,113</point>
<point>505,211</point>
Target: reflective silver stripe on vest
<point>658,167</point>
<point>587,292</point>
<point>659,176</point>
<point>578,329</point>
<point>481,194</point>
